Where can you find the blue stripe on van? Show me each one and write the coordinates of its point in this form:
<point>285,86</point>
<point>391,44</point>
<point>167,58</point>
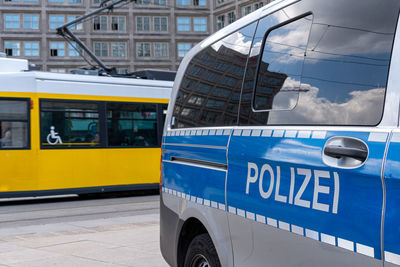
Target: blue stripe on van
<point>355,227</point>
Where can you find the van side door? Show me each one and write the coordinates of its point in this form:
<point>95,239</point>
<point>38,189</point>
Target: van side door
<point>304,166</point>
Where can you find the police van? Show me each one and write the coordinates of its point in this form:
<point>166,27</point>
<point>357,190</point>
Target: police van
<point>282,140</point>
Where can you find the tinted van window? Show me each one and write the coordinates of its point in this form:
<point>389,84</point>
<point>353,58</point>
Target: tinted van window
<point>280,66</point>
<point>345,69</point>
<point>210,90</point>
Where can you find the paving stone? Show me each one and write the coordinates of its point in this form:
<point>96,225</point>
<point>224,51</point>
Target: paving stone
<point>42,241</point>
<point>119,242</point>
<point>64,261</point>
<point>22,255</point>
<point>125,256</point>
<point>7,247</point>
<point>75,247</point>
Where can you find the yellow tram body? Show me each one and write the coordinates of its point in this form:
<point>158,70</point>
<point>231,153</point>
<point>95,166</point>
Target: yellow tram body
<point>41,169</point>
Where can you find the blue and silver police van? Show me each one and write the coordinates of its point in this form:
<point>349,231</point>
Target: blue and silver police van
<point>282,141</point>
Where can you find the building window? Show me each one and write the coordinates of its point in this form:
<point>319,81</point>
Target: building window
<point>160,24</point>
<point>118,49</point>
<point>143,2</point>
<point>231,17</point>
<point>246,10</point>
<point>56,1</point>
<point>118,23</point>
<point>183,2</point>
<point>200,24</point>
<point>160,49</point>
<point>183,49</point>
<point>122,71</point>
<point>160,2</point>
<point>58,70</point>
<point>143,24</point>
<point>11,21</point>
<point>74,50</point>
<point>75,26</point>
<point>12,48</point>
<point>56,21</point>
<point>199,2</point>
<point>57,49</point>
<point>31,49</point>
<point>101,49</point>
<point>74,1</point>
<point>100,23</point>
<point>143,50</point>
<point>183,24</point>
<point>69,124</point>
<point>258,5</point>
<point>31,21</point>
<point>14,121</point>
<point>220,22</point>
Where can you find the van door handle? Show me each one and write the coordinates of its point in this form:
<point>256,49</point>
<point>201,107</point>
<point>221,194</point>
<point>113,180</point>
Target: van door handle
<point>345,152</point>
<point>351,152</point>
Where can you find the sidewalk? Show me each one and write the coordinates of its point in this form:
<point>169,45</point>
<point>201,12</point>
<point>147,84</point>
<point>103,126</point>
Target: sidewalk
<point>125,241</point>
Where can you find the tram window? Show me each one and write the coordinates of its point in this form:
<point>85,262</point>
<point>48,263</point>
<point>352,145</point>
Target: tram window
<point>14,124</point>
<point>132,125</point>
<point>69,124</point>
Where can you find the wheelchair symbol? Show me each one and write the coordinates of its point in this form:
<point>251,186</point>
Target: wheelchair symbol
<point>53,137</point>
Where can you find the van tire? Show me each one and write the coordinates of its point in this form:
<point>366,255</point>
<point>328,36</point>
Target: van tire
<point>202,253</point>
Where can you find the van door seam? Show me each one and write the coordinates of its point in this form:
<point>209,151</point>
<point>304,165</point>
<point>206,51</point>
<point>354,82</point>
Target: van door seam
<point>384,196</point>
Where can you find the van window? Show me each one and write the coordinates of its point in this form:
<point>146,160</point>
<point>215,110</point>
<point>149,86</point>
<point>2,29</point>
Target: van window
<point>343,75</point>
<point>210,90</point>
<point>132,125</point>
<point>69,124</point>
<point>14,123</point>
<point>280,66</point>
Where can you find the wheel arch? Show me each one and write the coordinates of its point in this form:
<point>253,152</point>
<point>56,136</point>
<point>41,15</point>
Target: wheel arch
<point>208,220</point>
<point>190,228</point>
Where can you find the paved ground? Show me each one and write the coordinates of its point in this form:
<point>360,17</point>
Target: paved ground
<point>75,232</point>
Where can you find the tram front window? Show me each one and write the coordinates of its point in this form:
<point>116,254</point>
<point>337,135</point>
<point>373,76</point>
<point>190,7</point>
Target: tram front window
<point>69,124</point>
<point>14,124</point>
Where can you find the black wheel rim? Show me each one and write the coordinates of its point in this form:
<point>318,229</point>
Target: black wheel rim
<point>200,261</point>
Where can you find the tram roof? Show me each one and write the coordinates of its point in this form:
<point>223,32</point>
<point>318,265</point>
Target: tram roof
<point>58,83</point>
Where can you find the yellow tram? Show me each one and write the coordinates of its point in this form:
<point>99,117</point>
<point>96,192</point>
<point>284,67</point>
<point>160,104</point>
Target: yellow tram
<point>65,133</point>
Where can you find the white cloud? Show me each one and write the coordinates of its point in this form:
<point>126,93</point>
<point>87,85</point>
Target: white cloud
<point>362,107</point>
<point>236,42</point>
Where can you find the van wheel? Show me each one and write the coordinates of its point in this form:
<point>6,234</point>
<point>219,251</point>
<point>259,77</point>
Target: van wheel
<point>202,253</point>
